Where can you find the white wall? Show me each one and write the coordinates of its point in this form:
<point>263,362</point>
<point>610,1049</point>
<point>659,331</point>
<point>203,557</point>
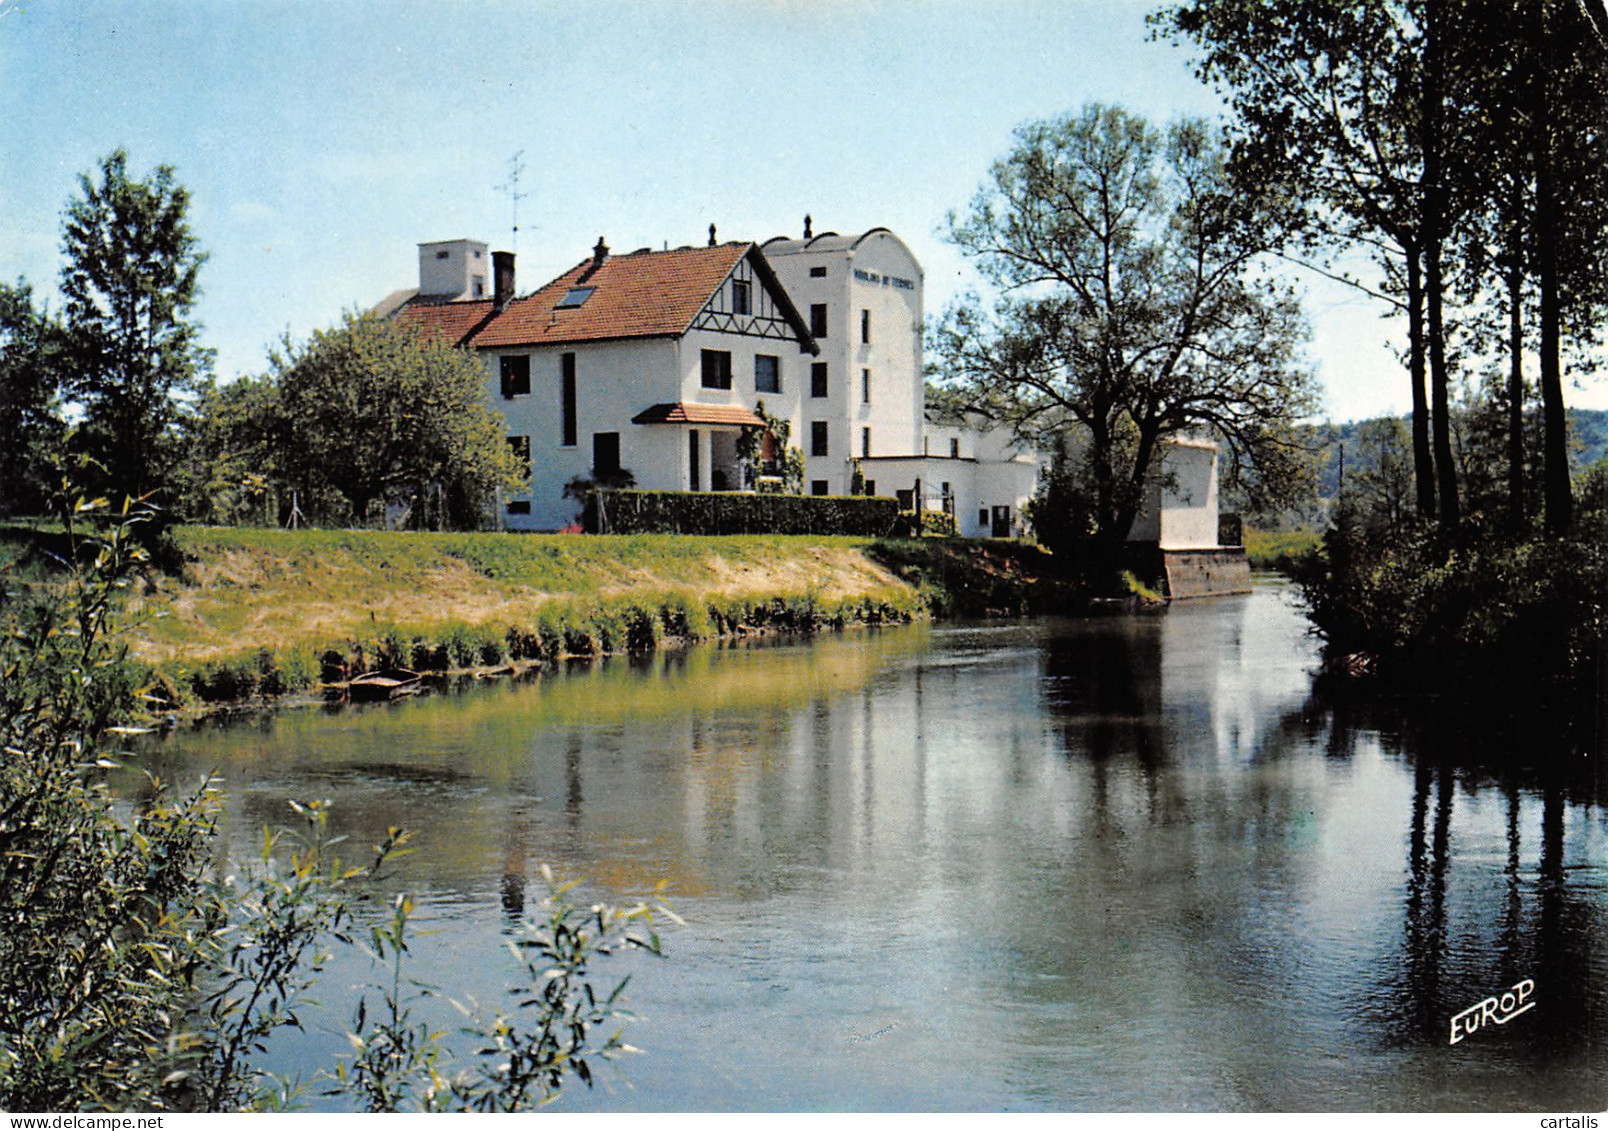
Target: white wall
<point>448,269</point>
<point>893,354</point>
<point>613,382</point>
<point>1180,504</point>
<point>1189,496</point>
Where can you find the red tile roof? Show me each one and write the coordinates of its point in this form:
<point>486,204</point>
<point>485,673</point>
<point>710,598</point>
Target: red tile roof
<point>690,412</point>
<point>450,321</point>
<point>641,295</point>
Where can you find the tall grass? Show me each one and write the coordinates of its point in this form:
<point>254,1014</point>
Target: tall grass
<point>562,629</point>
<point>264,612</point>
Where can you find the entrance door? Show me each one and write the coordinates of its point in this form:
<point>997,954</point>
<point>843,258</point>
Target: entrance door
<point>1002,522</point>
<point>605,454</point>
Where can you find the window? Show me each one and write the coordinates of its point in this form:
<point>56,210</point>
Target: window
<point>520,446</point>
<point>865,442</point>
<point>740,302</point>
<point>907,500</point>
<point>865,386</point>
<point>519,506</point>
<point>717,369</point>
<point>605,453</point>
<point>479,285</point>
<point>870,487</point>
<point>865,327</point>
<point>817,486</point>
<point>817,272</point>
<point>954,447</point>
<point>441,255</point>
<point>817,437</point>
<point>567,399</point>
<point>574,297</point>
<point>694,458</point>
<point>818,320</point>
<point>818,379</point>
<point>767,374</point>
<point>982,516</point>
<point>515,373</point>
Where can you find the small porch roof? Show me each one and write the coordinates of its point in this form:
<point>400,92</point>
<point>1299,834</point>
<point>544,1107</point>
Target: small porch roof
<point>685,412</point>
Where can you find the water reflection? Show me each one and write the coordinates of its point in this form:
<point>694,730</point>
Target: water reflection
<point>1131,862</point>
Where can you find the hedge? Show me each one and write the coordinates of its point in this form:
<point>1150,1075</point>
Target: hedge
<point>722,512</point>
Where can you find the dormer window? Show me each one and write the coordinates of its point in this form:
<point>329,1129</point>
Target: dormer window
<point>574,297</point>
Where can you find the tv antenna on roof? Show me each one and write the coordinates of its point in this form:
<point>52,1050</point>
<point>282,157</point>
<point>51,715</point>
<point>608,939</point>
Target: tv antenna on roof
<point>510,188</point>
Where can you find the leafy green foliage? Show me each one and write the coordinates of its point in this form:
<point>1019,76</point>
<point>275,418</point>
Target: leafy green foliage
<point>699,512</point>
<point>1135,305</point>
<point>968,578</point>
<point>1284,551</point>
<point>31,379</point>
<point>130,282</point>
<point>230,474</point>
<point>98,913</point>
<point>771,460</point>
<point>275,925</point>
<point>369,414</point>
<point>524,1056</point>
<point>1491,609</point>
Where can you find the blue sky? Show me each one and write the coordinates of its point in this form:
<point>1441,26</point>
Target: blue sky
<point>321,142</point>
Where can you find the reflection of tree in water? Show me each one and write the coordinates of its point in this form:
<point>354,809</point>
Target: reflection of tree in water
<point>1160,922</point>
<point>1102,686</point>
<point>1471,930</point>
<point>1202,851</point>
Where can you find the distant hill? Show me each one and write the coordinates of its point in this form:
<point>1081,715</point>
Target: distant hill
<point>1588,443</point>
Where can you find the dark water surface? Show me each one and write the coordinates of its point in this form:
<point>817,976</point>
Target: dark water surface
<point>1110,864</point>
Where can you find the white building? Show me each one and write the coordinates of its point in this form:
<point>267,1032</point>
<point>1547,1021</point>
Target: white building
<point>655,361</point>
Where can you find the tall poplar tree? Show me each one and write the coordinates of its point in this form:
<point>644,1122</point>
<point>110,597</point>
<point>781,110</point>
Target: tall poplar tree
<point>1332,99</point>
<point>129,284</point>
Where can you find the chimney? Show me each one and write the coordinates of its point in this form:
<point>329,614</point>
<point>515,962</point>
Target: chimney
<point>600,255</point>
<point>807,232</point>
<point>711,235</point>
<point>502,270</point>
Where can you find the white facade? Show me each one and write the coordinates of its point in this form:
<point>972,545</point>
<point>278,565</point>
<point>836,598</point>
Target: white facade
<point>454,269</point>
<point>824,332</point>
<point>863,298</point>
<point>1180,505</point>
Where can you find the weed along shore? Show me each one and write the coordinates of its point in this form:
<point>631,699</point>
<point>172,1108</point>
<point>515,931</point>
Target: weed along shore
<point>246,614</point>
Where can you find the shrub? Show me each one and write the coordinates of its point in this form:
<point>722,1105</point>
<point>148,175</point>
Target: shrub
<point>717,512</point>
<point>1483,609</point>
<point>133,978</point>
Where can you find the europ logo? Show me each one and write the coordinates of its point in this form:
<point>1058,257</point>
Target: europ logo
<point>1494,1010</point>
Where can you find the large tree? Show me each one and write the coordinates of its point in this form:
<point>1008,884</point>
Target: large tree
<point>372,413</point>
<point>1328,100</point>
<point>1133,303</point>
<point>30,388</point>
<point>1418,129</point>
<point>130,283</point>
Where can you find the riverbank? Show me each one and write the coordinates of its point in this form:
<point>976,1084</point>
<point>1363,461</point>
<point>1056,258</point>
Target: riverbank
<point>248,613</point>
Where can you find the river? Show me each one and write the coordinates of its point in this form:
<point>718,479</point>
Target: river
<point>1121,863</point>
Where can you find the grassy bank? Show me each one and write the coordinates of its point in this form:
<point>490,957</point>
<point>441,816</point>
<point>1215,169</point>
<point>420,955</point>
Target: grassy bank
<point>260,612</point>
<point>1280,550</point>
